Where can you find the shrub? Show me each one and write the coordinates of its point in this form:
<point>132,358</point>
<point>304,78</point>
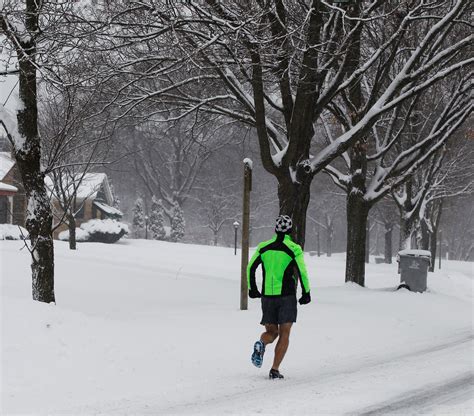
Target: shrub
<point>177,224</point>
<point>157,219</point>
<point>99,231</point>
<point>12,232</point>
<point>81,235</point>
<point>104,231</point>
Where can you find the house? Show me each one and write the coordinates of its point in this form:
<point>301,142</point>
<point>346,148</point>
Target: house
<point>12,194</point>
<point>93,200</point>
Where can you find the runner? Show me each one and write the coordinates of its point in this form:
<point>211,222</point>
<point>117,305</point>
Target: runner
<point>282,263</point>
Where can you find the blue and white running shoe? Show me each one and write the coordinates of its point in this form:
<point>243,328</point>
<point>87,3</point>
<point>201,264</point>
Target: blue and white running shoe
<point>258,351</point>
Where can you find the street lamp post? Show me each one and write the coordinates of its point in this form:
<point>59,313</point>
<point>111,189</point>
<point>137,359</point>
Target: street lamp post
<point>245,233</point>
<point>236,227</point>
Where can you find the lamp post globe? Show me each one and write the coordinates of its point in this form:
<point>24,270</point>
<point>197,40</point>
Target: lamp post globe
<point>236,227</point>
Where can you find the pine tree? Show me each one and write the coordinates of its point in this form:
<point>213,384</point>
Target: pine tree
<point>116,200</point>
<point>157,219</point>
<point>177,223</point>
<point>138,215</point>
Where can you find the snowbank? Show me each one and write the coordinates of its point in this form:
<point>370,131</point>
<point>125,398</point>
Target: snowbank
<point>149,327</point>
<point>12,232</point>
<point>81,235</point>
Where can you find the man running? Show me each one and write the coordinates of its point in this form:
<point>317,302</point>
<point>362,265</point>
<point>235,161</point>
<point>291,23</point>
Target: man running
<point>282,262</point>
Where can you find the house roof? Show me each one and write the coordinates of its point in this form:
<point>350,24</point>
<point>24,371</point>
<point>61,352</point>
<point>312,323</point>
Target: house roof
<point>7,188</point>
<point>6,163</point>
<point>107,209</point>
<point>89,187</point>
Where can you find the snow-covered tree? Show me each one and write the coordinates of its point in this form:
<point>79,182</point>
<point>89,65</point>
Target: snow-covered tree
<point>278,66</point>
<point>218,205</point>
<point>402,150</point>
<point>72,146</point>
<point>138,215</point>
<point>423,197</point>
<point>157,219</point>
<point>325,215</point>
<point>386,214</point>
<point>177,224</point>
<point>168,159</point>
<point>19,29</point>
<point>456,234</point>
<point>116,203</point>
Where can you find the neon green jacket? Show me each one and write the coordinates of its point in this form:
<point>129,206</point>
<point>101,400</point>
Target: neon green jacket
<point>282,263</point>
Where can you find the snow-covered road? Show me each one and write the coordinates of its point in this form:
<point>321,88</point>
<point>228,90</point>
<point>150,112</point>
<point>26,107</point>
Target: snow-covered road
<point>443,397</point>
<point>154,328</point>
<point>417,389</point>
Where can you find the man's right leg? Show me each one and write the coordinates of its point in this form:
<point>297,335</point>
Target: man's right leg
<point>270,334</point>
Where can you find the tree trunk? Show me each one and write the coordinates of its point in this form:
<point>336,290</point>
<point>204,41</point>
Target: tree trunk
<point>329,235</point>
<point>39,218</point>
<point>319,243</point>
<point>215,238</point>
<point>294,200</point>
<point>39,223</point>
<point>388,244</point>
<point>357,215</point>
<point>406,232</point>
<point>424,241</point>
<point>367,242</point>
<point>434,235</point>
<point>433,244</point>
<point>71,222</point>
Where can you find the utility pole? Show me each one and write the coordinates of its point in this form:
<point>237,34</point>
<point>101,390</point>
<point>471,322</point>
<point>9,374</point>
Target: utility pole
<point>245,234</point>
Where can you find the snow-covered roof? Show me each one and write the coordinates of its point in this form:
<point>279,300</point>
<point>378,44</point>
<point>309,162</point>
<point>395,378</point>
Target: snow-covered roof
<point>6,163</point>
<point>113,212</point>
<point>8,188</point>
<point>89,187</point>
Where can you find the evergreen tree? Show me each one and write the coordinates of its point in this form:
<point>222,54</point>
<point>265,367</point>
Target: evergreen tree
<point>138,215</point>
<point>157,219</point>
<point>116,200</point>
<point>177,223</point>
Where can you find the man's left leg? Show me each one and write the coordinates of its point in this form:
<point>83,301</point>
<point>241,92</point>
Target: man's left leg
<point>282,344</point>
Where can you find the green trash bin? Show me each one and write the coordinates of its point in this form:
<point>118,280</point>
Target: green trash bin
<point>413,268</point>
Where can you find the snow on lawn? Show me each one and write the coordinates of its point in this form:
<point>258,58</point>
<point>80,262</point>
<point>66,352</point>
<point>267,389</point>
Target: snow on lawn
<point>147,327</point>
<point>12,232</point>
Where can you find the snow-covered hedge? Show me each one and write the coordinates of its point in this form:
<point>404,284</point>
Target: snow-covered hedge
<point>81,235</point>
<point>101,231</point>
<point>12,232</point>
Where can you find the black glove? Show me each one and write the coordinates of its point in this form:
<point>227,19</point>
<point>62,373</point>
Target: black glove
<point>254,293</point>
<point>306,298</point>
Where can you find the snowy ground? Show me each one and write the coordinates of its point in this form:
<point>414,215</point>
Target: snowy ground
<point>144,327</point>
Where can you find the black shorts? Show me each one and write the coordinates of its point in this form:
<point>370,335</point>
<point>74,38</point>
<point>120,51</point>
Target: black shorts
<point>279,309</point>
